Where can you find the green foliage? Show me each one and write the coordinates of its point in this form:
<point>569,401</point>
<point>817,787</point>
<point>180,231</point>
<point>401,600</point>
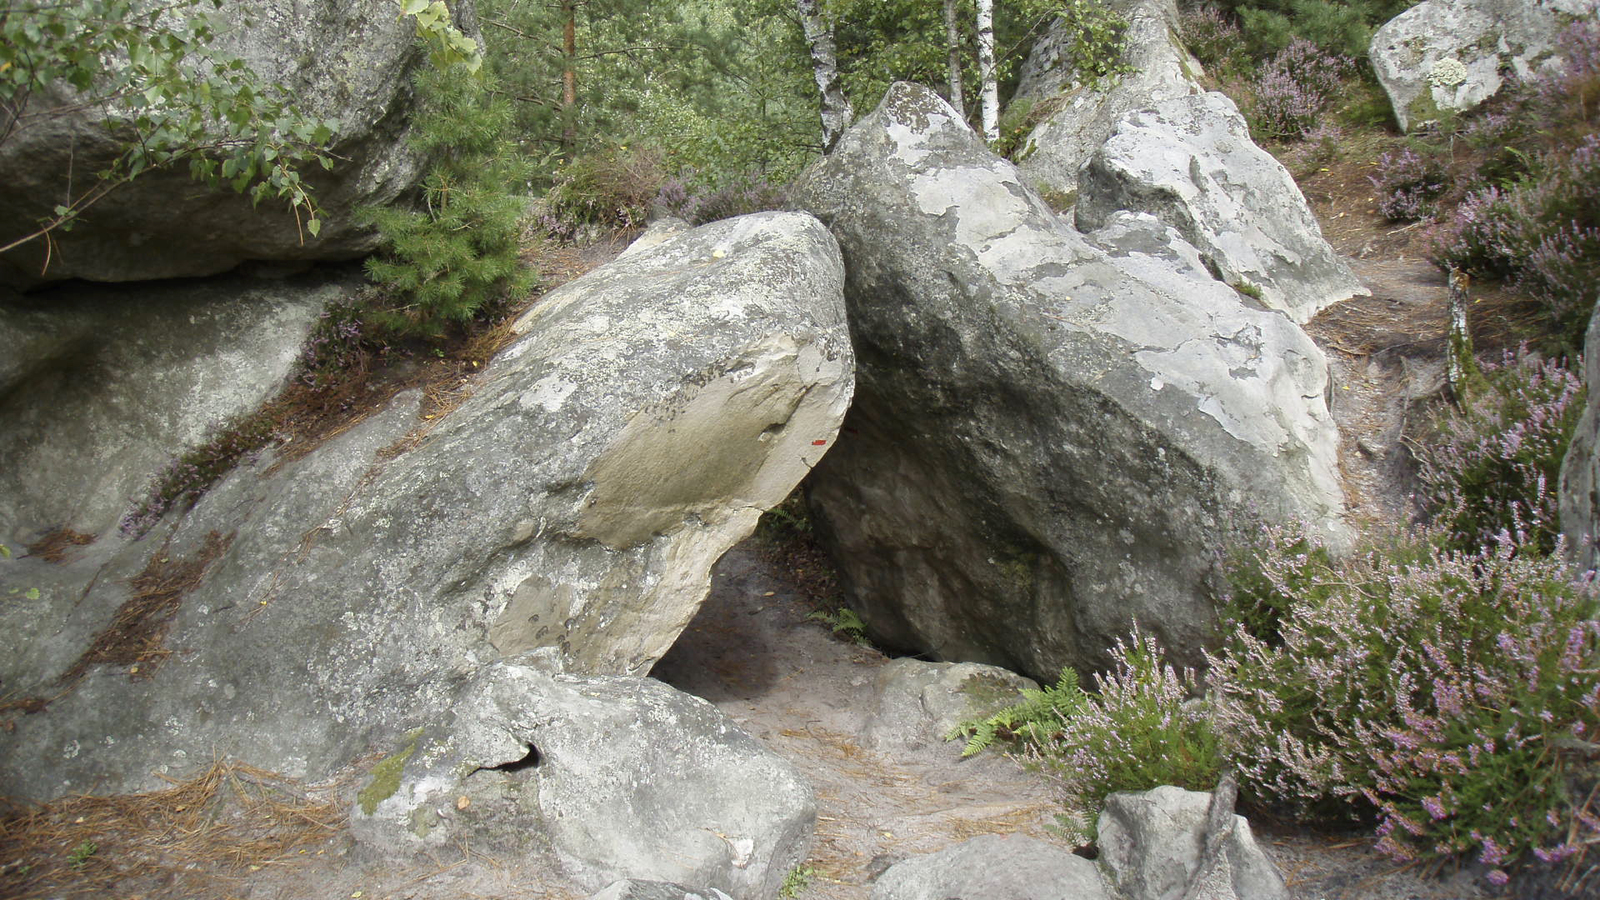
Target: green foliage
<point>1336,26</point>
<point>81,854</point>
<point>844,622</point>
<point>1099,38</point>
<point>447,46</point>
<point>443,262</point>
<point>168,99</point>
<point>789,520</point>
<point>1027,724</point>
<point>797,881</point>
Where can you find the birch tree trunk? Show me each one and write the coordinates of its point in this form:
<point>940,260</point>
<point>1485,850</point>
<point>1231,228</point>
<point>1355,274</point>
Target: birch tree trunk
<point>836,111</point>
<point>952,40</point>
<point>990,86</point>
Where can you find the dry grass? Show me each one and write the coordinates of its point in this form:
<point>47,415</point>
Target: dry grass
<point>192,839</point>
<point>137,632</point>
<point>58,544</point>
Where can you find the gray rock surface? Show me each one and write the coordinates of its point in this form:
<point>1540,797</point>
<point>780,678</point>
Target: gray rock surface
<point>1082,115</point>
<point>655,890</point>
<point>350,61</point>
<point>573,505</point>
<point>1189,161</point>
<point>993,867</point>
<point>1443,56</point>
<point>1580,470</point>
<point>1151,846</point>
<point>101,387</point>
<point>918,703</point>
<point>620,777</point>
<point>1048,441</point>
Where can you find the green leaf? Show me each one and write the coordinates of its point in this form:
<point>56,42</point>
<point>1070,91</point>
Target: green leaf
<point>32,594</point>
<point>314,226</point>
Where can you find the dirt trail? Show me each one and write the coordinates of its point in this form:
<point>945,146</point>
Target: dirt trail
<point>806,694</point>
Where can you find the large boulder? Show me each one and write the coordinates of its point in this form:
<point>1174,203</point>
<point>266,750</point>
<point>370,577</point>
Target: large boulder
<point>620,777</point>
<point>1189,161</point>
<point>1048,441</point>
<point>1171,844</point>
<point>572,506</point>
<point>993,867</point>
<point>350,61</point>
<point>1580,470</point>
<point>1082,113</point>
<point>101,387</point>
<point>1445,56</point>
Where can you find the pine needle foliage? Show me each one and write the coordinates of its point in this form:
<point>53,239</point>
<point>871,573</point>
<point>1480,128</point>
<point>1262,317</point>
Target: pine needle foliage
<point>459,249</point>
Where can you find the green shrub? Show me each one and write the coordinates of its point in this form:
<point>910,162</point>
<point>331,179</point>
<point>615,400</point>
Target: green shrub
<point>461,249</point>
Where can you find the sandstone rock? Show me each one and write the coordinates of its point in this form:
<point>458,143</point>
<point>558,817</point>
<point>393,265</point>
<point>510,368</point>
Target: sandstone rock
<point>1044,446</point>
<point>1190,162</point>
<point>347,61</point>
<point>1083,115</point>
<point>655,890</point>
<point>1444,56</point>
<point>621,777</point>
<point>918,703</point>
<point>1151,847</point>
<point>993,867</point>
<point>1580,470</point>
<point>101,387</point>
<point>573,504</point>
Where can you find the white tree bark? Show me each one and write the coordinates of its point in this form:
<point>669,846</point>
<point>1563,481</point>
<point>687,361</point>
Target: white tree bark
<point>990,92</point>
<point>952,40</point>
<point>836,112</point>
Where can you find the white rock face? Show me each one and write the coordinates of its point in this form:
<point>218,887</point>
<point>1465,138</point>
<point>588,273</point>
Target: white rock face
<point>993,867</point>
<point>1150,848</point>
<point>103,386</point>
<point>1084,115</point>
<point>1580,470</point>
<point>572,506</point>
<point>917,703</point>
<point>1049,439</point>
<point>1450,55</point>
<point>1189,161</point>
<point>620,778</point>
<point>351,61</point>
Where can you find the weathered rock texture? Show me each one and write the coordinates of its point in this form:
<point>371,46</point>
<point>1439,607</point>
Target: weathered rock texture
<point>573,506</point>
<point>1152,847</point>
<point>1444,56</point>
<point>100,387</point>
<point>993,867</point>
<point>1048,441</point>
<point>349,61</point>
<point>919,703</point>
<point>1189,161</point>
<point>1580,470</point>
<point>1082,115</point>
<point>621,777</point>
<point>655,890</point>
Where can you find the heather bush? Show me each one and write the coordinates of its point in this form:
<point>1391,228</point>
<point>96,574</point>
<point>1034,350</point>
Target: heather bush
<point>611,188</point>
<point>1294,89</point>
<point>1409,186</point>
<point>1453,694</point>
<point>1140,729</point>
<point>1543,235</point>
<point>1492,466</point>
<point>1215,39</point>
<point>702,203</point>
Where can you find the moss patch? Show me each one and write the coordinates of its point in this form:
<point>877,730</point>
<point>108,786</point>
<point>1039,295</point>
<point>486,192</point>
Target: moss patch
<point>385,778</point>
